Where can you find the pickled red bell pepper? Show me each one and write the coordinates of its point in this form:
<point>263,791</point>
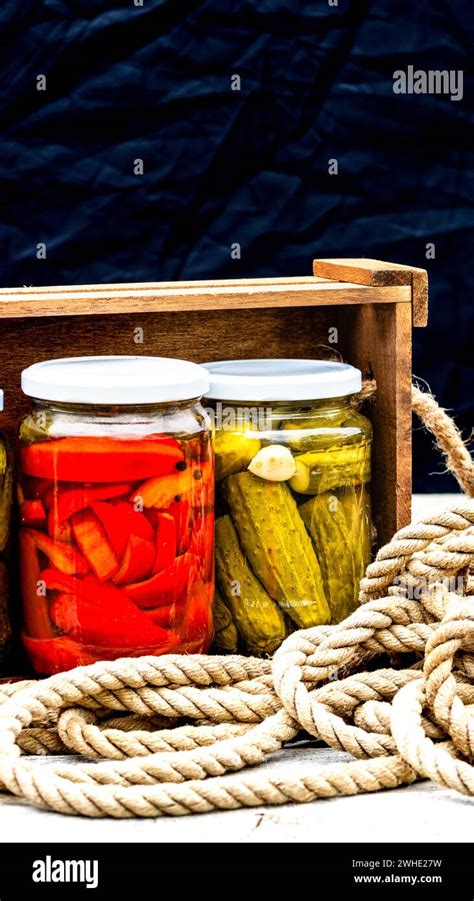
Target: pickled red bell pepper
<point>63,556</point>
<point>35,605</point>
<point>167,616</point>
<point>61,531</point>
<point>101,459</point>
<point>55,655</point>
<point>163,490</point>
<point>165,551</point>
<point>166,587</point>
<point>197,623</point>
<point>99,613</point>
<point>137,561</point>
<point>94,544</point>
<point>120,519</point>
<point>65,502</point>
<point>32,513</point>
<point>181,513</point>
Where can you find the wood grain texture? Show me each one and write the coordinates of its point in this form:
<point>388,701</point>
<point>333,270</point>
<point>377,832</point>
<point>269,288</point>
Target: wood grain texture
<point>378,273</point>
<point>157,286</point>
<point>379,341</point>
<point>193,335</point>
<point>242,295</point>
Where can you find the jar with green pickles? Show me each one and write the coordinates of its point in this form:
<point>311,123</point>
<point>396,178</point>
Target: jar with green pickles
<point>6,487</point>
<point>293,528</point>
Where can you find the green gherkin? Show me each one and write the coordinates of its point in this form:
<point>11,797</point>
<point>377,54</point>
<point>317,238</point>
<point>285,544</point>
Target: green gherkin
<point>336,549</point>
<point>277,546</point>
<point>355,503</point>
<point>234,451</point>
<point>258,619</point>
<point>226,636</point>
<point>339,525</point>
<point>335,467</point>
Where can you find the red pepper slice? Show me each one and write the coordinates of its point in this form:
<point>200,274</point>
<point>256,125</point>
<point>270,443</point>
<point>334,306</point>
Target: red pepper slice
<point>67,501</point>
<point>165,542</point>
<point>202,543</point>
<point>101,459</point>
<point>167,616</point>
<point>94,544</point>
<point>137,561</point>
<point>55,655</point>
<point>181,513</point>
<point>60,531</point>
<point>32,513</point>
<point>120,519</point>
<point>166,587</point>
<point>198,620</point>
<point>63,556</point>
<point>35,605</point>
<point>202,498</point>
<point>100,613</point>
<point>162,490</point>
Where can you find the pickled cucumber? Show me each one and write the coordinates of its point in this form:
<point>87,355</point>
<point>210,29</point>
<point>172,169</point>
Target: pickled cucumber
<point>277,545</point>
<point>355,503</point>
<point>318,432</point>
<point>225,637</point>
<point>324,470</point>
<point>337,550</point>
<point>258,619</point>
<point>234,451</point>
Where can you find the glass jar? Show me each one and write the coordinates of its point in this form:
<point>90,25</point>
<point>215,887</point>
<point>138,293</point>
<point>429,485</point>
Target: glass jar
<point>117,518</point>
<point>6,490</point>
<point>293,533</point>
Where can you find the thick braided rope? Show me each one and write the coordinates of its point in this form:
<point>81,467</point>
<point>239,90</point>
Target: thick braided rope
<point>148,786</point>
<point>401,724</point>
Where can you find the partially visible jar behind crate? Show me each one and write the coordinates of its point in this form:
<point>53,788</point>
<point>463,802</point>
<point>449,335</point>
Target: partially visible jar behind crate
<point>293,528</point>
<point>116,487</point>
<point>6,490</point>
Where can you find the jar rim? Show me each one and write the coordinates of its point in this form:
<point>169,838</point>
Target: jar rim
<point>281,379</point>
<point>120,380</point>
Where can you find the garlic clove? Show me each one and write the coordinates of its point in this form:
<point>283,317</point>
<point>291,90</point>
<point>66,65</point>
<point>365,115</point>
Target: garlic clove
<point>274,463</point>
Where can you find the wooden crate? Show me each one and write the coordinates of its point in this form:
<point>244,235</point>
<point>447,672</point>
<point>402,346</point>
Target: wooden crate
<point>371,304</point>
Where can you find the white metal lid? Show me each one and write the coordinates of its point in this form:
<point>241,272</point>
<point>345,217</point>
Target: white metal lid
<point>1,399</point>
<point>115,380</point>
<point>251,380</point>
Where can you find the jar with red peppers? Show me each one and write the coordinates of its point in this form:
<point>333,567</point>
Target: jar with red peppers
<point>117,517</point>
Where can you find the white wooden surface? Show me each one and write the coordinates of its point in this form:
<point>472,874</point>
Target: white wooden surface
<point>418,812</point>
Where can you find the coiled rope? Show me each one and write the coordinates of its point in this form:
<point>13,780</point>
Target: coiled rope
<point>131,716</point>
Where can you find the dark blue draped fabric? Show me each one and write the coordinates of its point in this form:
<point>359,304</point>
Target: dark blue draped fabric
<point>153,83</point>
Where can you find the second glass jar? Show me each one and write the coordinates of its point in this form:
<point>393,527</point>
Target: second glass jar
<point>116,510</point>
<point>293,528</point>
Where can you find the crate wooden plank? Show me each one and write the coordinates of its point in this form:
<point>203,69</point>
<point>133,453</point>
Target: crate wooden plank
<point>194,283</point>
<point>376,272</point>
<point>379,342</point>
<point>161,299</point>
